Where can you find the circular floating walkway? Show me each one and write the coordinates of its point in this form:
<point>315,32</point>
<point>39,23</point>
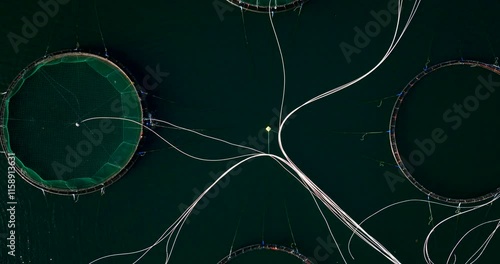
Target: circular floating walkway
<point>273,247</point>
<point>392,129</point>
<point>266,6</point>
<point>53,151</point>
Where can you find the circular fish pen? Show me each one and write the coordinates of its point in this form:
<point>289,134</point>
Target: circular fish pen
<point>266,6</point>
<point>44,131</point>
<point>265,247</point>
<point>407,167</point>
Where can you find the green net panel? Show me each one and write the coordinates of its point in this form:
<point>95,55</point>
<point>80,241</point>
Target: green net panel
<point>43,111</point>
<point>265,6</point>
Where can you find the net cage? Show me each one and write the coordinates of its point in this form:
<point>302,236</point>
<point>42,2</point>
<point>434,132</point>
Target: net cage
<point>266,6</point>
<point>291,251</point>
<point>398,156</point>
<point>42,113</point>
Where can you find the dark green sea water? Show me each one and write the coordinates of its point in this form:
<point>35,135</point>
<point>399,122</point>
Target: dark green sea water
<point>232,90</point>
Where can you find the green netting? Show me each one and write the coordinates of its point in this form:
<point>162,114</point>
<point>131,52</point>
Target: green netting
<point>47,100</point>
